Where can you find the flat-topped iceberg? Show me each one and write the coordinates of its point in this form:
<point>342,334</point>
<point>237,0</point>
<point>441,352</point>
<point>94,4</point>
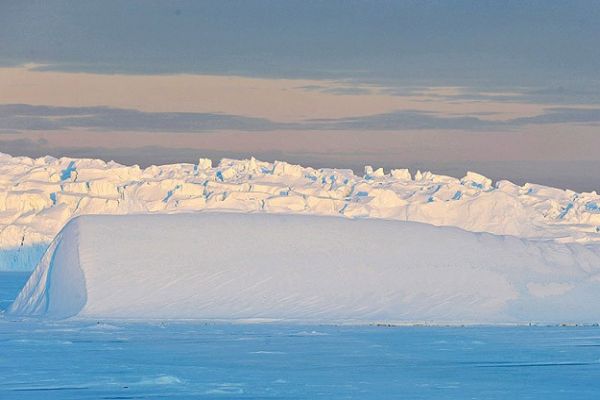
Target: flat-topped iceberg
<point>233,266</point>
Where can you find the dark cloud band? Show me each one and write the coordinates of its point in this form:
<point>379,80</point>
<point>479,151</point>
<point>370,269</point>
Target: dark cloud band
<point>23,117</point>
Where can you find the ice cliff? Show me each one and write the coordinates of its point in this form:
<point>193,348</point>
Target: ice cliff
<point>234,266</point>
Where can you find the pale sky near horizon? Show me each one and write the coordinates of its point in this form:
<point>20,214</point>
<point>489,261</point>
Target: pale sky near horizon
<point>510,89</point>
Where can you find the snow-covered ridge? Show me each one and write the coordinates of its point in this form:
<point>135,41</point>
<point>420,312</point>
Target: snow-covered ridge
<point>38,196</point>
<point>236,266</point>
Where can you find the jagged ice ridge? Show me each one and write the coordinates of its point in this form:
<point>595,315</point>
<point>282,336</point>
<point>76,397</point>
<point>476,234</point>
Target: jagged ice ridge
<point>38,196</point>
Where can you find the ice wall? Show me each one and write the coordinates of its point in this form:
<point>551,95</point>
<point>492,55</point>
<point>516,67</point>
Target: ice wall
<point>233,266</point>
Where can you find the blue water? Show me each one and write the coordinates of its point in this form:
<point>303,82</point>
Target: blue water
<point>116,360</point>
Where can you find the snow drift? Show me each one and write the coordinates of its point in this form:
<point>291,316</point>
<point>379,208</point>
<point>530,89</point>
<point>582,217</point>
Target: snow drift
<point>231,266</point>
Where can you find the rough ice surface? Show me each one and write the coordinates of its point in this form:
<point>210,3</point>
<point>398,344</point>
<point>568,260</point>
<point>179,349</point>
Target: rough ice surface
<point>301,268</point>
<point>38,196</point>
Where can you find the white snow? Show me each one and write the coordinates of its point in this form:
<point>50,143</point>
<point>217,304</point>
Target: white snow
<point>38,196</point>
<point>236,266</point>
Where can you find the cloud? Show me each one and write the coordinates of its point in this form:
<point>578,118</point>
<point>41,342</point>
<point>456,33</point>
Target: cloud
<point>416,120</point>
<point>29,117</point>
<point>445,42</point>
<point>403,120</point>
<point>558,115</point>
<point>421,120</point>
<point>23,117</point>
<point>340,90</point>
<point>566,93</point>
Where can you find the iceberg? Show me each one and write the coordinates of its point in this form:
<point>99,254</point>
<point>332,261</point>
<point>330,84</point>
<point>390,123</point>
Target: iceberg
<point>38,197</point>
<point>324,269</point>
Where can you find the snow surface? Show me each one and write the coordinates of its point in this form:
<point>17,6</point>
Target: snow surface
<point>38,196</point>
<point>234,266</point>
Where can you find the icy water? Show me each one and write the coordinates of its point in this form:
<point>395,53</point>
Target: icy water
<point>114,360</point>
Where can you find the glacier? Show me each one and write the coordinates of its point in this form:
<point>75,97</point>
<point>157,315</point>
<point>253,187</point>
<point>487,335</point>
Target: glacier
<point>38,197</point>
<point>312,269</point>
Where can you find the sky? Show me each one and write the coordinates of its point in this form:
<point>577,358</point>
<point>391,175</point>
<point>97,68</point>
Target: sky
<point>510,89</point>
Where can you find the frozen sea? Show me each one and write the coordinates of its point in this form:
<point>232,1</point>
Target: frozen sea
<point>118,360</point>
